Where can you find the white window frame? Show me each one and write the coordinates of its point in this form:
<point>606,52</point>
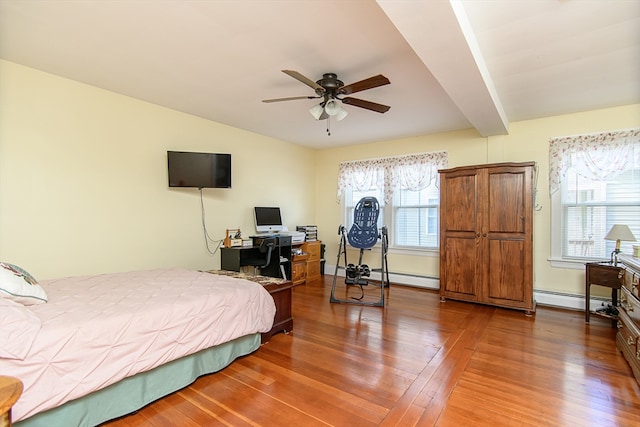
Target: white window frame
<point>560,161</point>
<point>431,204</point>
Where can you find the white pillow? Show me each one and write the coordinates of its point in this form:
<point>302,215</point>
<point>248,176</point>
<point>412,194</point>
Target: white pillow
<point>18,285</point>
<point>19,327</point>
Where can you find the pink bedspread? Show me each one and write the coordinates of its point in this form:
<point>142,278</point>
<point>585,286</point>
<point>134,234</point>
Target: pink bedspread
<point>97,330</point>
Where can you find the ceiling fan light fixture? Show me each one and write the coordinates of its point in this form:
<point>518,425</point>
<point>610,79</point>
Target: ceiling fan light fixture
<point>316,111</point>
<point>332,107</point>
<point>329,88</point>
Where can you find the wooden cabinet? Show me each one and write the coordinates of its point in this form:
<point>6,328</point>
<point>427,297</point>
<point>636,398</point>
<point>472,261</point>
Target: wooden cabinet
<point>280,291</point>
<point>299,269</point>
<point>313,248</point>
<point>486,229</point>
<point>628,337</point>
<point>306,267</point>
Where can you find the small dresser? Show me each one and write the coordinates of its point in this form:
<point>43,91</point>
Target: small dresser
<point>628,337</point>
<point>280,290</point>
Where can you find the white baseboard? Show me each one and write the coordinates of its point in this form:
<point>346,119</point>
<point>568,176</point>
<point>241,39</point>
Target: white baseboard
<point>569,301</point>
<point>398,278</point>
<point>542,297</point>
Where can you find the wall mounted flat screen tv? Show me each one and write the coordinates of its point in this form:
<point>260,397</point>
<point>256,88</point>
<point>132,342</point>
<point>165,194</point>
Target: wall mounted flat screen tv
<point>200,170</point>
<point>268,219</point>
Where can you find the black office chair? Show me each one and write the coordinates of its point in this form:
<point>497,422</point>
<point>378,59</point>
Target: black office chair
<point>262,258</point>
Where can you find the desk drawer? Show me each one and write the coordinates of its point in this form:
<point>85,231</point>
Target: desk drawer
<point>605,275</point>
<point>313,249</point>
<point>313,269</point>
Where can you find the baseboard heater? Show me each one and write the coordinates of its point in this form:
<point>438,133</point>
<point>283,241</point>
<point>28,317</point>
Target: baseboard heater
<point>542,297</point>
<point>408,279</point>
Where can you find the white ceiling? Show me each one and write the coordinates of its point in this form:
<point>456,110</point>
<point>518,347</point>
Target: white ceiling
<point>452,64</point>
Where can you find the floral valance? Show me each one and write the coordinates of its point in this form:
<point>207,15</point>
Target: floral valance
<point>598,157</point>
<point>412,172</point>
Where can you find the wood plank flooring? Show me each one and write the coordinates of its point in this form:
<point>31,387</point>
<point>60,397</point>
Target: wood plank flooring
<point>415,362</point>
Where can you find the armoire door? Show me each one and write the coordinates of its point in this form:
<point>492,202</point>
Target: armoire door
<point>508,242</point>
<point>460,254</point>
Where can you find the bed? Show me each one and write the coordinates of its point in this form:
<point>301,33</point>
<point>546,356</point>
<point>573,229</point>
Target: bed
<point>103,346</point>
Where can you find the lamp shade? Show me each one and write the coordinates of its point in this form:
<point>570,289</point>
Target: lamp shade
<point>316,111</point>
<point>620,232</point>
<point>341,114</point>
<point>333,107</point>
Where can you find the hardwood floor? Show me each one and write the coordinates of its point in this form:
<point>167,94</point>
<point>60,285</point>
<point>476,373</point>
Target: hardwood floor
<point>415,362</point>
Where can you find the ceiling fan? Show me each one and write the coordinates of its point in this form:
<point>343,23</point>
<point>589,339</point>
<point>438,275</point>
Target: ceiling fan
<point>332,90</point>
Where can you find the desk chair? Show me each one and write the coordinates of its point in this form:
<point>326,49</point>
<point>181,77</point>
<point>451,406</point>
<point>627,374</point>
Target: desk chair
<point>262,258</point>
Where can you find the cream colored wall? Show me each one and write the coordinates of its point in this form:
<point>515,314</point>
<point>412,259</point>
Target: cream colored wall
<point>527,141</point>
<point>83,186</point>
<point>83,180</point>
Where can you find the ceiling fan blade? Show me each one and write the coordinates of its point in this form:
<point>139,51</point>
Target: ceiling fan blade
<point>365,84</point>
<point>296,75</point>
<point>291,98</point>
<point>366,104</point>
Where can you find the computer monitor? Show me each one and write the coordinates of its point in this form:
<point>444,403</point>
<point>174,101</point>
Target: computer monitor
<point>268,219</point>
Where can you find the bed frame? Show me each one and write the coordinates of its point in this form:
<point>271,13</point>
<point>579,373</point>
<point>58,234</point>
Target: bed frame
<point>137,391</point>
<point>133,393</point>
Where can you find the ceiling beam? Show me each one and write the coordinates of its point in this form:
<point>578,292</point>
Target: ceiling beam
<point>440,34</point>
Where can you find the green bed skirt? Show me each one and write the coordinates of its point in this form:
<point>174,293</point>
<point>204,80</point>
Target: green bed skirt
<point>133,393</point>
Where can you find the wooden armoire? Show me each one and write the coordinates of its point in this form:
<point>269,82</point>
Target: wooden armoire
<point>486,234</point>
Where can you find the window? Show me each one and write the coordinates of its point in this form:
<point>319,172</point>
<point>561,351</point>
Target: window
<point>415,216</point>
<point>406,188</point>
<point>594,184</point>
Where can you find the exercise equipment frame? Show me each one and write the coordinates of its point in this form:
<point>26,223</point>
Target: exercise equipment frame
<point>355,274</point>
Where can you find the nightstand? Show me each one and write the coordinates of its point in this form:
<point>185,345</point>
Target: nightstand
<point>602,274</point>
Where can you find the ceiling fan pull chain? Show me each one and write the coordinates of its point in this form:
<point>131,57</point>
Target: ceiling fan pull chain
<point>329,126</point>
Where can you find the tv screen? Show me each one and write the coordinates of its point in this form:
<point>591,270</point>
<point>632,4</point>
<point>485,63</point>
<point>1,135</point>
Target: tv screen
<point>200,170</point>
<point>268,219</point>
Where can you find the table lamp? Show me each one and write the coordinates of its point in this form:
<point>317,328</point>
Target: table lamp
<point>618,233</point>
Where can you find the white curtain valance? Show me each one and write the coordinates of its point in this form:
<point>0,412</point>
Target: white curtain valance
<point>413,172</point>
<point>597,157</point>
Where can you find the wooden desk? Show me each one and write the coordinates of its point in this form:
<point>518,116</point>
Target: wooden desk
<point>234,258</point>
<point>602,274</point>
<point>10,391</point>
